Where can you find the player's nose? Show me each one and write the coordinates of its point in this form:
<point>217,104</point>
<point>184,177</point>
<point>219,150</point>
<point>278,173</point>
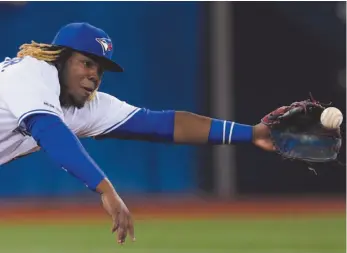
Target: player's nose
<point>94,81</point>
<point>94,78</point>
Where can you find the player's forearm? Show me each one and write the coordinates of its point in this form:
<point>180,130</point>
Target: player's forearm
<point>196,129</point>
<point>191,128</point>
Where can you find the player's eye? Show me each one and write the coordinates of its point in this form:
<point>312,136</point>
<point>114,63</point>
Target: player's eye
<point>88,64</point>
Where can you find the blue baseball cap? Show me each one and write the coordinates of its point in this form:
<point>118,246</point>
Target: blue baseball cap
<point>88,39</point>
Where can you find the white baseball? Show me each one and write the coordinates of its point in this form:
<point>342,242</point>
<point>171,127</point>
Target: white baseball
<point>331,117</point>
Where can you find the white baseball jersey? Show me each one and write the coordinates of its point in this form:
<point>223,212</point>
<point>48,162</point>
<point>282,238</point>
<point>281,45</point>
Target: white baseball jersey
<point>29,86</point>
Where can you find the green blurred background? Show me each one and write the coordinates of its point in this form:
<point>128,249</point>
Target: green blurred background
<point>282,235</point>
<point>180,224</point>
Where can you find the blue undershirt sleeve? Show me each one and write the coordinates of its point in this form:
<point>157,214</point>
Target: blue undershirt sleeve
<point>146,125</point>
<point>64,148</point>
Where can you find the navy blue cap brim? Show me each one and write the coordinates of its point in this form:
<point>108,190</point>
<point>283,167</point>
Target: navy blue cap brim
<point>109,65</point>
<point>105,63</point>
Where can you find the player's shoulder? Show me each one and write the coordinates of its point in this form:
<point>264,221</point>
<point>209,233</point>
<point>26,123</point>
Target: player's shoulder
<point>102,96</point>
<point>26,64</point>
<point>97,115</point>
<point>102,100</point>
<point>30,71</point>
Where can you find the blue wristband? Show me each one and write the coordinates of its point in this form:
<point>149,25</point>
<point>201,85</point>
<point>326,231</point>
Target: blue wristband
<point>228,132</point>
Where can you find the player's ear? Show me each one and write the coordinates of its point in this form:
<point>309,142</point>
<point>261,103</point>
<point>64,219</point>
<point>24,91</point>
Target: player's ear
<point>62,59</point>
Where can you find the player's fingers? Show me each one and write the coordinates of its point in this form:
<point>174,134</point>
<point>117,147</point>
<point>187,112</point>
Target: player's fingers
<point>122,233</point>
<point>115,226</point>
<point>131,229</point>
<point>115,222</point>
<point>122,230</point>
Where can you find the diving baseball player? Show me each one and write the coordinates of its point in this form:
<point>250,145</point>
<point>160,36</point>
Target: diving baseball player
<point>49,98</point>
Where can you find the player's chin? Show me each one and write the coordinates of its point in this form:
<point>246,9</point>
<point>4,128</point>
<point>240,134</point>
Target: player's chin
<point>80,101</point>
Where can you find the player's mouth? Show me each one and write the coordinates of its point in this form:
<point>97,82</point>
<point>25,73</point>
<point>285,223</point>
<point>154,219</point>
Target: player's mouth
<point>88,89</point>
<point>88,86</point>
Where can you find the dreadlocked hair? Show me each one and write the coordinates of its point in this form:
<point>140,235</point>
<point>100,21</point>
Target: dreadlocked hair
<point>40,51</point>
<point>48,53</point>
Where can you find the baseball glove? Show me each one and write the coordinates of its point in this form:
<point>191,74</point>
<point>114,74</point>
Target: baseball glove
<point>298,134</point>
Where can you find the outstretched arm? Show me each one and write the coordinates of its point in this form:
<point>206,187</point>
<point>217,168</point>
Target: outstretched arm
<point>188,128</point>
<point>63,147</point>
<point>197,129</point>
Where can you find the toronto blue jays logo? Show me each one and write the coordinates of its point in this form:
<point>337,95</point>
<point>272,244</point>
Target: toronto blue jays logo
<point>106,44</point>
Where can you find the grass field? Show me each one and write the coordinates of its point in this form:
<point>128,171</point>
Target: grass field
<point>318,234</point>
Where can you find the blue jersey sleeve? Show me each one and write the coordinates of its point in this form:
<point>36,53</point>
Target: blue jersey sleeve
<point>64,148</point>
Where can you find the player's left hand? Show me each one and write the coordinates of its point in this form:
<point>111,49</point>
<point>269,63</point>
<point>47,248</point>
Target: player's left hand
<point>261,137</point>
<point>122,222</point>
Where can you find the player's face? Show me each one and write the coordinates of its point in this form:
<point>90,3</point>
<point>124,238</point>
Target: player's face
<point>80,77</point>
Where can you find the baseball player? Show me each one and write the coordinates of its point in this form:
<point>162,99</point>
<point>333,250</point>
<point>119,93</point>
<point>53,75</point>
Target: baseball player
<point>49,98</point>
